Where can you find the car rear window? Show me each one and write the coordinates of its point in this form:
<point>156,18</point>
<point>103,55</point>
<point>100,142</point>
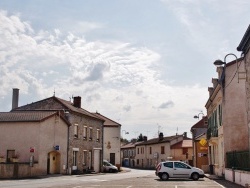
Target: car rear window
<point>168,164</point>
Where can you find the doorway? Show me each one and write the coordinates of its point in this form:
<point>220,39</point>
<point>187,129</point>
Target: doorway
<point>53,162</point>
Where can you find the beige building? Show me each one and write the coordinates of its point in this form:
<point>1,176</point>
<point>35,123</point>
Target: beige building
<point>36,139</point>
<point>226,114</point>
<point>183,151</point>
<point>85,132</point>
<point>111,140</point>
<point>149,153</point>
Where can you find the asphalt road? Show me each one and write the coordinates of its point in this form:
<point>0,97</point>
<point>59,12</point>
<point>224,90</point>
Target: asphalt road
<point>127,179</point>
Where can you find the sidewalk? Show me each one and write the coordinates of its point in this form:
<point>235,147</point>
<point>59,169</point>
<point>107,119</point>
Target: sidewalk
<point>213,177</point>
<point>222,181</point>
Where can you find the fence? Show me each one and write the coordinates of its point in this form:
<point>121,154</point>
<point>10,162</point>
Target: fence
<point>238,160</point>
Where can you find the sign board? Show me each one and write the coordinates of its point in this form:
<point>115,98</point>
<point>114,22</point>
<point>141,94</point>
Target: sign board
<point>155,155</point>
<point>203,142</point>
<point>32,150</point>
<point>57,147</point>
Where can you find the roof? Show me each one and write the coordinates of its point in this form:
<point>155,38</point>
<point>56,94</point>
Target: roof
<point>130,145</point>
<point>27,116</point>
<point>107,122</point>
<point>183,144</point>
<point>245,41</point>
<point>67,104</point>
<point>157,140</point>
<point>201,123</point>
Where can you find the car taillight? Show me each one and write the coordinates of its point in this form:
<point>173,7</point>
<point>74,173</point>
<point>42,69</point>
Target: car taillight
<point>158,168</point>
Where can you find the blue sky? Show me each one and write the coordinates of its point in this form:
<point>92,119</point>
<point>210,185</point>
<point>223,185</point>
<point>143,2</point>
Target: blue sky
<point>146,64</point>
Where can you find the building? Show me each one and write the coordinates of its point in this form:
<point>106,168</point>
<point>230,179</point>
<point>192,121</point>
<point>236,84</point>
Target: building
<point>227,117</point>
<point>111,140</point>
<point>85,132</point>
<point>200,144</point>
<point>128,154</point>
<point>38,140</point>
<point>183,151</point>
<point>149,153</point>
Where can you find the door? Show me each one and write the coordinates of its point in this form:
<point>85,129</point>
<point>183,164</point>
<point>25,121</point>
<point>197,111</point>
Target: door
<point>97,160</point>
<point>181,170</point>
<point>53,163</point>
<point>112,158</point>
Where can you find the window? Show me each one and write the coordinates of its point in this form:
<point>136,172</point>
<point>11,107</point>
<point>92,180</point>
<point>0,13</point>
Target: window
<point>150,150</point>
<point>138,150</point>
<point>76,130</point>
<point>181,165</point>
<point>85,133</point>
<point>168,164</point>
<point>75,158</point>
<point>138,162</point>
<point>98,135</point>
<point>10,154</point>
<point>162,150</point>
<point>84,158</point>
<point>184,151</point>
<point>90,133</point>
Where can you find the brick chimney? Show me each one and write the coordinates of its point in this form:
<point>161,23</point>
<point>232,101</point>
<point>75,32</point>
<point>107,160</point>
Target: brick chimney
<point>15,98</point>
<point>77,102</point>
<point>145,138</point>
<point>161,136</point>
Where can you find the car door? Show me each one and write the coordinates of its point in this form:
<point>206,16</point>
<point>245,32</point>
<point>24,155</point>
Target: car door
<point>168,167</point>
<point>181,170</point>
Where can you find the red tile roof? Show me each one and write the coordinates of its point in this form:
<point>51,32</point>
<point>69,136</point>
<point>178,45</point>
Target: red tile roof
<point>157,140</point>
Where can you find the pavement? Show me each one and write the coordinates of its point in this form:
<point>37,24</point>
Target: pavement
<point>214,177</point>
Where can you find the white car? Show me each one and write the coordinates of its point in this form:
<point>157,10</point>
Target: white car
<point>108,167</point>
<point>177,169</point>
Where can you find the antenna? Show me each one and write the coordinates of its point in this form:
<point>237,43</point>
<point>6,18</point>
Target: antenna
<point>54,92</point>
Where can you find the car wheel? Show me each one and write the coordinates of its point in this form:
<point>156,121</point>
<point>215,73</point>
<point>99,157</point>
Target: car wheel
<point>110,170</point>
<point>195,176</point>
<point>164,176</point>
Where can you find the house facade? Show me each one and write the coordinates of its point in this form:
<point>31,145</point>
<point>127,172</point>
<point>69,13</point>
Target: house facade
<point>37,140</point>
<point>128,154</point>
<point>227,118</point>
<point>111,140</point>
<point>85,132</point>
<point>183,151</point>
<point>200,144</point>
<point>149,153</point>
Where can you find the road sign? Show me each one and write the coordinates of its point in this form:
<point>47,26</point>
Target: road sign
<point>203,142</point>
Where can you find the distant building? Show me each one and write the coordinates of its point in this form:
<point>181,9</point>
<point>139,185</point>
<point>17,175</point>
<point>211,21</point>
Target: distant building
<point>111,140</point>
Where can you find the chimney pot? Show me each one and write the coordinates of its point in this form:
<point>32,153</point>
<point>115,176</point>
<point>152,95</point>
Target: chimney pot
<point>77,102</point>
<point>15,98</point>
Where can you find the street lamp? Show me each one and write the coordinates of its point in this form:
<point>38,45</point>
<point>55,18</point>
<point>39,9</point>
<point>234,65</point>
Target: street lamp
<point>124,132</point>
<point>197,116</point>
<point>219,62</point>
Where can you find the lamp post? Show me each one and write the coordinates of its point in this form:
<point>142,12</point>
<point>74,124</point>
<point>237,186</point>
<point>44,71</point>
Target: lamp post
<point>219,62</point>
<point>198,116</point>
<point>124,132</point>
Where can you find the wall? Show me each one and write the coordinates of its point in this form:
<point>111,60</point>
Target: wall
<point>112,144</point>
<point>19,170</point>
<point>237,176</point>
<point>234,112</point>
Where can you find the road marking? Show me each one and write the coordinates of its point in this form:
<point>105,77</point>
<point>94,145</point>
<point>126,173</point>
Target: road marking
<point>129,186</point>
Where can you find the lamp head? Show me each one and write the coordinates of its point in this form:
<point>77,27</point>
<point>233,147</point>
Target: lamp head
<point>196,116</point>
<point>218,62</point>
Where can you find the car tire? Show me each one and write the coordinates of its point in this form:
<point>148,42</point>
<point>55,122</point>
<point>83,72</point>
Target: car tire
<point>164,176</point>
<point>195,176</point>
<point>110,170</point>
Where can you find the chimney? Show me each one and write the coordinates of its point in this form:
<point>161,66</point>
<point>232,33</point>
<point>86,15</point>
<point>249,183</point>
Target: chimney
<point>161,136</point>
<point>77,102</point>
<point>15,97</point>
<point>145,138</point>
<point>185,135</point>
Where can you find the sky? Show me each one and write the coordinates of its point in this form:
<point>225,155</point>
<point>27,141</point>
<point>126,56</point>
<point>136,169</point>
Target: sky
<point>146,64</point>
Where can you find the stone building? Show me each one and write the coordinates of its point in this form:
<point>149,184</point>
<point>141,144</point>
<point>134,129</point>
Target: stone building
<point>85,137</point>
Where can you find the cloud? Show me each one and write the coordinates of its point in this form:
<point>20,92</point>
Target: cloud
<point>166,105</point>
<point>116,78</point>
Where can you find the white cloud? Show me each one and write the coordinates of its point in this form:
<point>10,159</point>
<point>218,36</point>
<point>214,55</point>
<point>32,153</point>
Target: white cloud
<point>115,78</point>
